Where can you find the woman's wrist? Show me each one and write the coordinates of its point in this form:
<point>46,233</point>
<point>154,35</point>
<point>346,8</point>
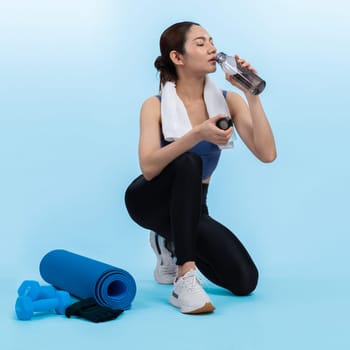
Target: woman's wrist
<point>251,98</point>
<point>196,134</point>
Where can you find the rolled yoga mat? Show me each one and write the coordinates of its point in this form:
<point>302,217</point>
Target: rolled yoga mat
<point>84,278</point>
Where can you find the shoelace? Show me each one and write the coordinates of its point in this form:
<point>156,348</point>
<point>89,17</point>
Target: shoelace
<point>193,283</point>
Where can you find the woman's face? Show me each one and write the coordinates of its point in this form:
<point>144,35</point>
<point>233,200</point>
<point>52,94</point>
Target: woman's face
<point>200,51</point>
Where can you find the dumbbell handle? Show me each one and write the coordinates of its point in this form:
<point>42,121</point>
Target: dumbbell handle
<point>44,292</point>
<point>45,304</point>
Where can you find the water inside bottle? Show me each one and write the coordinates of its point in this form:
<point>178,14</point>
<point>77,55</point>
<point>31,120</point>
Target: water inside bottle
<point>255,86</point>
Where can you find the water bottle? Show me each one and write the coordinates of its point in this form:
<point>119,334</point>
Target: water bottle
<point>246,78</point>
<point>224,123</point>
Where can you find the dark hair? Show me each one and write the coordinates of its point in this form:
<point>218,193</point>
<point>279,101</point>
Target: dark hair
<point>173,38</point>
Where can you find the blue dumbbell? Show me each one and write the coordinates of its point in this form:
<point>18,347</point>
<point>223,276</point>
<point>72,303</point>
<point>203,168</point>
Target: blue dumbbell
<point>33,290</point>
<point>25,306</point>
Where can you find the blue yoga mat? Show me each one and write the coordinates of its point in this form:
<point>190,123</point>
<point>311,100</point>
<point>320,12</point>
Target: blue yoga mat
<point>84,278</point>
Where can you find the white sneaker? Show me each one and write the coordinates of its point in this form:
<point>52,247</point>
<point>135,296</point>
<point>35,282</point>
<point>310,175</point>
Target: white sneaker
<point>165,271</point>
<point>189,296</point>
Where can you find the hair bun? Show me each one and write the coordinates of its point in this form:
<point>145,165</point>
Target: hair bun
<point>159,63</point>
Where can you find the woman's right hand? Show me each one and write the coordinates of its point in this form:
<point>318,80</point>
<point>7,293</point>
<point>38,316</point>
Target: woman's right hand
<point>210,132</point>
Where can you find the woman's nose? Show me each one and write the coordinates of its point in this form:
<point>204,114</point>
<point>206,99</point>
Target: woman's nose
<point>212,48</point>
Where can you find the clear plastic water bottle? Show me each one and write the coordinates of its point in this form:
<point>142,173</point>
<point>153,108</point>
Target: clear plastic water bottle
<point>243,76</point>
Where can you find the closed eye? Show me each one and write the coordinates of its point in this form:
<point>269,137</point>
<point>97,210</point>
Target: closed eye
<point>201,40</point>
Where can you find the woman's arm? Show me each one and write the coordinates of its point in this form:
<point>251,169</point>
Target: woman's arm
<point>152,157</point>
<point>250,120</point>
<point>252,125</point>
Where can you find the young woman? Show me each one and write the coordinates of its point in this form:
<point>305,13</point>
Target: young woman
<point>169,198</point>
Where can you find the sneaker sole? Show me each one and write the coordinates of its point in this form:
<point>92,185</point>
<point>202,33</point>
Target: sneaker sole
<point>207,308</point>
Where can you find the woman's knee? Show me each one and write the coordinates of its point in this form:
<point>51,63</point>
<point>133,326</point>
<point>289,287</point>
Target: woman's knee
<point>246,281</point>
<point>130,192</point>
<point>188,162</point>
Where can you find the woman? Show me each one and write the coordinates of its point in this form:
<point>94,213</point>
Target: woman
<point>169,198</point>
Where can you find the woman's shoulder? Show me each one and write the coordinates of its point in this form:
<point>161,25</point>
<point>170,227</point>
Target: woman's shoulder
<point>233,98</point>
<point>151,108</point>
<point>152,101</point>
<point>235,103</point>
<point>232,95</point>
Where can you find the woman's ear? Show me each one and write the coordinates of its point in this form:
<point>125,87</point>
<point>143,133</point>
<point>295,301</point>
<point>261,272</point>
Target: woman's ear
<point>176,58</point>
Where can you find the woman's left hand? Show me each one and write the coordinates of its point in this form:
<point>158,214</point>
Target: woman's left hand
<point>243,63</point>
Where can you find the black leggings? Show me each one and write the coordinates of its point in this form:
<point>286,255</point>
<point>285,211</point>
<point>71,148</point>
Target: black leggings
<point>173,204</point>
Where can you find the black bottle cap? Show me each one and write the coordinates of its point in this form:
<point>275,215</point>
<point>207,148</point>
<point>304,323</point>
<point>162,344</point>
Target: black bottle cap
<point>224,123</point>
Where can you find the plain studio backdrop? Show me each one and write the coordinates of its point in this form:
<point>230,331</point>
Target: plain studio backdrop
<point>73,75</point>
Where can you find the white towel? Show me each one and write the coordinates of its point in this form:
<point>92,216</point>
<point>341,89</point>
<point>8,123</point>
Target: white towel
<point>175,121</point>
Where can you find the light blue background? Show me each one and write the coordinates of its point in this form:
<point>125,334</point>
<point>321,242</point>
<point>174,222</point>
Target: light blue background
<point>73,75</point>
